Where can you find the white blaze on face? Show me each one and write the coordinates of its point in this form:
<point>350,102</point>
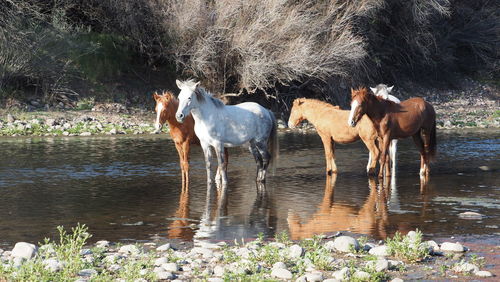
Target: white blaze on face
<point>159,109</point>
<point>354,105</point>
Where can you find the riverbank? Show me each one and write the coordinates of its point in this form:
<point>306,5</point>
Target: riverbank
<point>472,105</point>
<point>323,258</point>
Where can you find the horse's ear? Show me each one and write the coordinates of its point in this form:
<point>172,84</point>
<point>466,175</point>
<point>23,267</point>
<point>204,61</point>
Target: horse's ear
<point>389,89</point>
<point>179,83</point>
<point>156,96</point>
<point>373,89</point>
<point>196,84</point>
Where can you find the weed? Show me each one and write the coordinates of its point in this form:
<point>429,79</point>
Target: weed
<point>409,249</point>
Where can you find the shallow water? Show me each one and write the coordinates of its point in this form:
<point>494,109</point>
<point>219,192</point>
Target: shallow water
<point>128,188</point>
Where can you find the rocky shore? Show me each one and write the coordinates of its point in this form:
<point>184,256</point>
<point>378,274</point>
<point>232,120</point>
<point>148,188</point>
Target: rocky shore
<point>472,105</point>
<point>322,258</point>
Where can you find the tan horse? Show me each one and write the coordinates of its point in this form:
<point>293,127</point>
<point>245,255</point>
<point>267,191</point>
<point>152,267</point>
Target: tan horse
<point>371,219</point>
<point>330,123</point>
<point>182,133</point>
<point>413,117</point>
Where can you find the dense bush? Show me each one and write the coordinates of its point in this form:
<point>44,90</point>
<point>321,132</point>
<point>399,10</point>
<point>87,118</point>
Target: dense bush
<point>282,48</point>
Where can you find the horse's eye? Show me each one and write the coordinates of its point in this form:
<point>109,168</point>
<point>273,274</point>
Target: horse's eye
<point>189,98</point>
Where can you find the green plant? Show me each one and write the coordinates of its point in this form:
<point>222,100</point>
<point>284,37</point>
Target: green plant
<point>409,249</point>
<point>282,237</point>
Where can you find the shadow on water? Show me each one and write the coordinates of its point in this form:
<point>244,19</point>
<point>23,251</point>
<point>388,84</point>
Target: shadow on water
<point>129,188</point>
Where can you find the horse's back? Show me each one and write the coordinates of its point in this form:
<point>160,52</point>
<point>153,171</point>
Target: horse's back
<point>415,113</point>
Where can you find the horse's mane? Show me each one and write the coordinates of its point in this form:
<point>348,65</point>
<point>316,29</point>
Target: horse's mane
<point>319,103</point>
<point>168,94</point>
<point>202,95</point>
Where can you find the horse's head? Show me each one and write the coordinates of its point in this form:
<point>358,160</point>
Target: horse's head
<point>358,105</point>
<point>187,98</point>
<point>297,113</point>
<point>162,104</point>
<point>382,90</point>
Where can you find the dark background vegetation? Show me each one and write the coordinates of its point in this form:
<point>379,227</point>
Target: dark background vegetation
<point>122,50</point>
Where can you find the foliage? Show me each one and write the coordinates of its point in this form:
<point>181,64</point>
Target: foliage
<point>408,248</point>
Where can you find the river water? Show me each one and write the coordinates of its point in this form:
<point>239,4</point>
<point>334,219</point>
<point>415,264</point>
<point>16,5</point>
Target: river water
<point>129,189</point>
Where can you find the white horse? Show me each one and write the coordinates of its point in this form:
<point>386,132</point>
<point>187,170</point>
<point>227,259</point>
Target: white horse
<point>383,91</point>
<point>219,126</point>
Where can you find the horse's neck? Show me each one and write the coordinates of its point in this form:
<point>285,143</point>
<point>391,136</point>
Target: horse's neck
<point>205,113</point>
<point>171,110</point>
<point>376,109</point>
<point>312,112</point>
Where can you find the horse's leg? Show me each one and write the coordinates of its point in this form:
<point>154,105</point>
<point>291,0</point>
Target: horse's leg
<point>258,158</point>
<point>186,147</point>
<point>329,154</point>
<point>265,157</point>
<point>222,168</point>
<point>392,151</point>
<point>427,140</point>
<point>373,155</point>
<point>383,154</point>
<point>207,152</point>
<point>178,146</point>
<point>417,138</point>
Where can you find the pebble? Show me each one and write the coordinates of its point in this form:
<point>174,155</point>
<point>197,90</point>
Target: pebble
<point>85,133</point>
<point>87,272</point>
<point>295,251</point>
<point>452,247</point>
<point>345,244</point>
<point>483,273</point>
<point>470,215</point>
<point>361,275</point>
<point>215,279</point>
<point>165,275</point>
<point>281,273</point>
<point>466,268</point>
<point>219,271</point>
<point>315,276</point>
<point>160,261</point>
<point>102,244</point>
<point>52,264</point>
<point>279,265</point>
<point>380,251</point>
<point>129,249</point>
<point>171,267</point>
<point>397,280</point>
<point>341,274</point>
<point>24,250</point>
<point>164,247</point>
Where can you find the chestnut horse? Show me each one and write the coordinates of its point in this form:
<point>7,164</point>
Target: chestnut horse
<point>330,123</point>
<point>413,117</point>
<point>182,133</point>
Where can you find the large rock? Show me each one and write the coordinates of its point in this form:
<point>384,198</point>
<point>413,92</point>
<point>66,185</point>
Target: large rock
<point>314,276</point>
<point>452,247</point>
<point>378,265</point>
<point>129,249</point>
<point>160,261</point>
<point>279,265</point>
<point>466,268</point>
<point>170,267</point>
<point>24,250</point>
<point>345,244</point>
<point>483,273</point>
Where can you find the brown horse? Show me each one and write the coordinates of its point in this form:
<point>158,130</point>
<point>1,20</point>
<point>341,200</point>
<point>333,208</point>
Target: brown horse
<point>413,117</point>
<point>330,123</point>
<point>182,133</point>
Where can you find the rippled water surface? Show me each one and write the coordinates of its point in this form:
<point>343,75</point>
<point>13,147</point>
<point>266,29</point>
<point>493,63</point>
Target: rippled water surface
<point>128,188</point>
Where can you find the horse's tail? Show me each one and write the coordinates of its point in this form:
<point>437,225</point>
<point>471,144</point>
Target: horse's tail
<point>272,143</point>
<point>432,142</point>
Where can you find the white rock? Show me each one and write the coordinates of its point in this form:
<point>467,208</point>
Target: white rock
<point>24,250</point>
<point>433,245</point>
<point>160,261</point>
<point>379,265</point>
<point>381,251</point>
<point>86,133</point>
<point>345,244</point>
<point>87,272</point>
<point>165,275</point>
<point>277,245</point>
<point>397,280</point>
<point>112,258</point>
<point>129,249</point>
<point>279,265</point>
<point>219,271</point>
<point>215,279</point>
<point>329,246</point>
<point>295,251</point>
<point>368,246</point>
<point>361,275</point>
<point>315,276</point>
<point>393,264</point>
<point>170,267</point>
<point>52,264</point>
<point>470,215</point>
<point>341,274</point>
<point>466,267</point>
<point>114,268</point>
<point>164,247</point>
<point>84,252</point>
<point>331,280</point>
<point>102,244</point>
<point>301,279</point>
<point>47,250</point>
<point>452,247</point>
<point>281,273</point>
<point>483,273</point>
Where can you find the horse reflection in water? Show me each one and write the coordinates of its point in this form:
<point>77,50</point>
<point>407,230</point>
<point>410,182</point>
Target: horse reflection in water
<point>180,226</point>
<point>261,218</point>
<point>212,225</point>
<point>371,219</point>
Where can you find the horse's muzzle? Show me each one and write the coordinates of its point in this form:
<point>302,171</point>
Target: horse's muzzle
<point>180,117</point>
